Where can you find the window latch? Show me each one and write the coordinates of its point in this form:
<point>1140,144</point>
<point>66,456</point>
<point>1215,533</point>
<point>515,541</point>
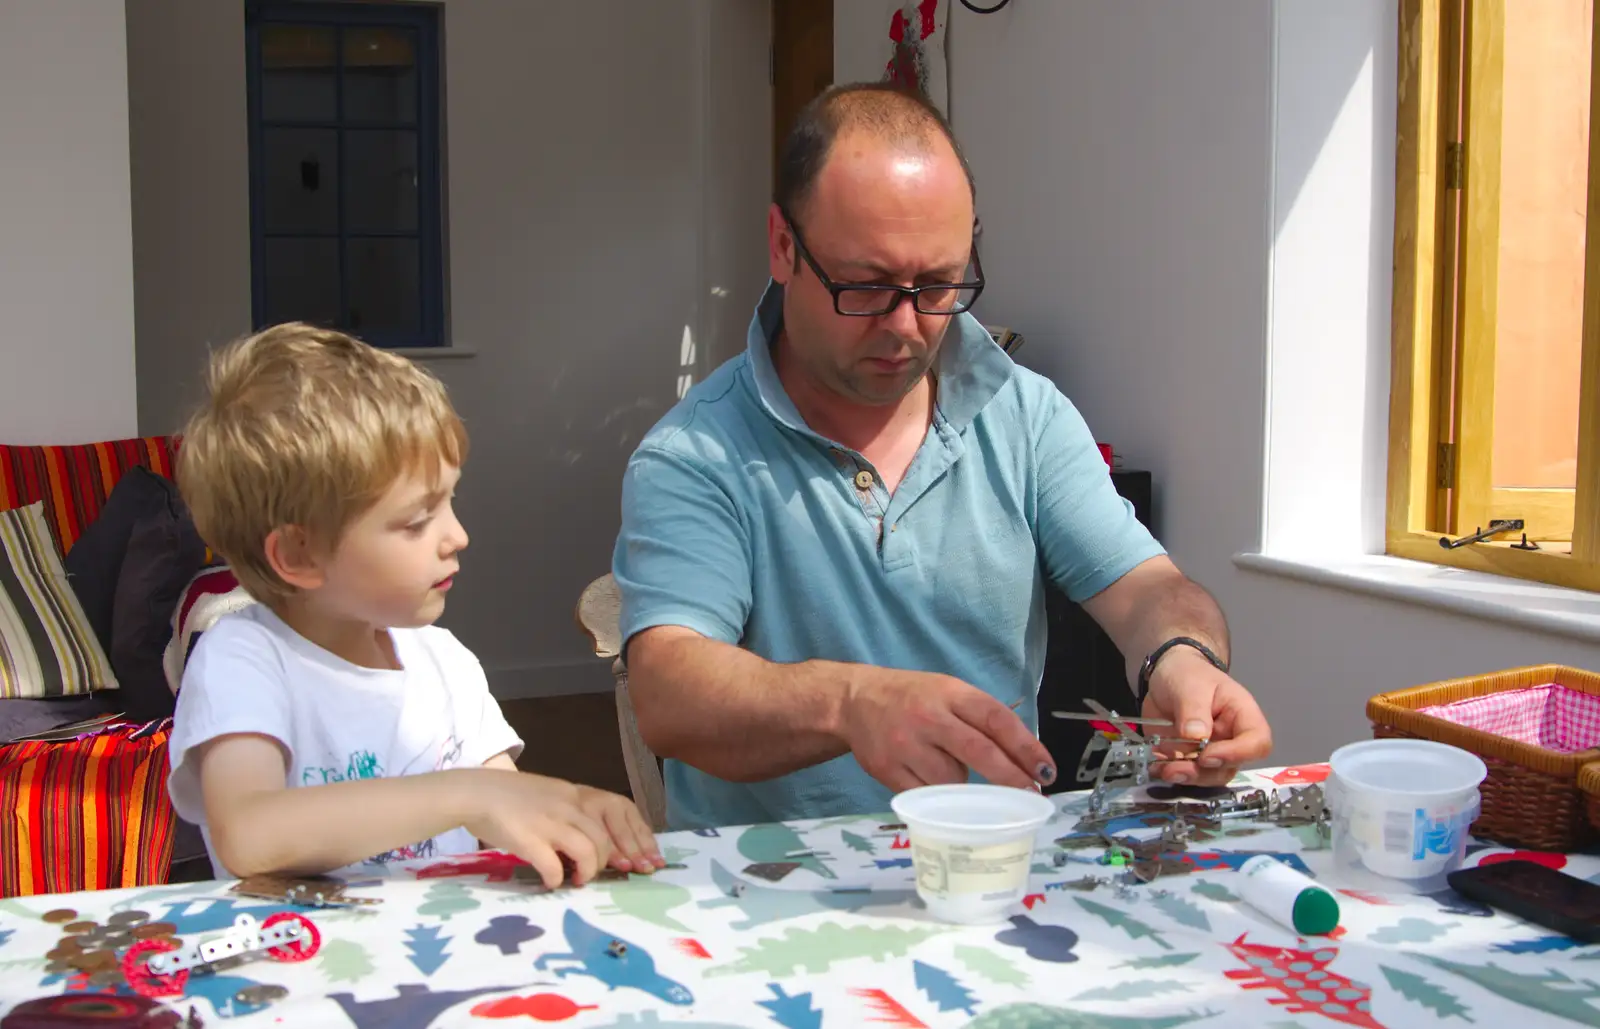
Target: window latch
<point>1496,527</point>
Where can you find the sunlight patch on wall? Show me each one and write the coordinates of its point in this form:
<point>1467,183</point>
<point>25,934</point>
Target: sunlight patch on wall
<point>686,354</point>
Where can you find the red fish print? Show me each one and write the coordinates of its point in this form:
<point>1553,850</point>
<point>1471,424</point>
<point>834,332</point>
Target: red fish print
<point>496,866</point>
<point>693,948</point>
<point>1300,775</point>
<point>541,1007</point>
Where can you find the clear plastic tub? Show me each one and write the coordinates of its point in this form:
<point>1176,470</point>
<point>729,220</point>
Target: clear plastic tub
<point>1400,812</point>
<point>971,847</point>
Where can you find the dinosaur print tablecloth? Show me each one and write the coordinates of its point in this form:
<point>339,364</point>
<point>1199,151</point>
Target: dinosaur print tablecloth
<point>809,925</point>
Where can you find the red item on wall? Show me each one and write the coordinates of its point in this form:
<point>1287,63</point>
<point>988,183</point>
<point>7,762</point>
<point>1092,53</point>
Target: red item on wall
<point>1105,452</point>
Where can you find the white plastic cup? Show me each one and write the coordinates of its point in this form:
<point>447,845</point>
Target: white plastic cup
<point>1400,811</point>
<point>972,847</point>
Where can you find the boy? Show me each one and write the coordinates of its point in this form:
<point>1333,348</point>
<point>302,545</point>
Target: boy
<point>332,725</point>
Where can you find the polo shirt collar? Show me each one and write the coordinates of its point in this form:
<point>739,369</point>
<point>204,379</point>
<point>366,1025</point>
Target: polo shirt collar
<point>971,369</point>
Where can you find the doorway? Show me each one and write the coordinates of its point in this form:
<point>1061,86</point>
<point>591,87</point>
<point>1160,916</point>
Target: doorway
<point>802,61</point>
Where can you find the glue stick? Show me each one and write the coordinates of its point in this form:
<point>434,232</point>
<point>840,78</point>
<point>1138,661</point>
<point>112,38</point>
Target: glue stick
<point>1288,897</point>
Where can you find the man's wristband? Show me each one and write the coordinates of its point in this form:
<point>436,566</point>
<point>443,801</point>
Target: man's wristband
<point>1149,665</point>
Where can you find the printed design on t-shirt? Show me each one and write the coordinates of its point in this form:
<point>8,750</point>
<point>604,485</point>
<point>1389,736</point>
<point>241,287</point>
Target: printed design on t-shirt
<point>363,764</point>
<point>424,849</point>
<point>449,756</point>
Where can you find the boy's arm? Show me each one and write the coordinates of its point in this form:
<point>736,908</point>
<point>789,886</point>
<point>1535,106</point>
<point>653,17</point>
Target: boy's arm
<point>259,825</point>
<point>636,849</point>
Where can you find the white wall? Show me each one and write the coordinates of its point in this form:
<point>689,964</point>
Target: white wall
<point>1167,188</point>
<point>66,277</point>
<point>606,174</point>
<point>189,158</point>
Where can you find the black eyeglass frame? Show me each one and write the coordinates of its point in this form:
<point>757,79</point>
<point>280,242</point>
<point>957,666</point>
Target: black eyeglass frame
<point>901,292</point>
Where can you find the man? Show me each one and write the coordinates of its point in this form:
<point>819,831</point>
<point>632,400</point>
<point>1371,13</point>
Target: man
<point>834,549</point>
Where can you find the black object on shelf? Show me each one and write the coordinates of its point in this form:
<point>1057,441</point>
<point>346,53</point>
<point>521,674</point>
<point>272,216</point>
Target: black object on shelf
<point>1081,661</point>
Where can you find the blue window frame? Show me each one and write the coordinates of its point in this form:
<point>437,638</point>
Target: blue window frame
<point>345,211</point>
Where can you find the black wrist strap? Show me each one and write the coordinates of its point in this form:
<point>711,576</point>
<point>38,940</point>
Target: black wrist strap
<point>1149,665</point>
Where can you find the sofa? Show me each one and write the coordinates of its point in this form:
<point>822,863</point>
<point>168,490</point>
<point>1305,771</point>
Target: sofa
<point>98,562</point>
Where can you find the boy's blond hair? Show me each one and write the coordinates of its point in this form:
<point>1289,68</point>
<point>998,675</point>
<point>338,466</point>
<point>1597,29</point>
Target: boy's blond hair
<point>307,427</point>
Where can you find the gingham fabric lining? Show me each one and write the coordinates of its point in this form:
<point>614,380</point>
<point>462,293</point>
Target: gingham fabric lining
<point>1550,716</point>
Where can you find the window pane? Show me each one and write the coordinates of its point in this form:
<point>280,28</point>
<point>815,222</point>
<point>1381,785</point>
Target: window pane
<point>385,285</point>
<point>301,281</point>
<point>381,180</point>
<point>301,186</point>
<point>1544,168</point>
<point>380,75</point>
<point>297,73</point>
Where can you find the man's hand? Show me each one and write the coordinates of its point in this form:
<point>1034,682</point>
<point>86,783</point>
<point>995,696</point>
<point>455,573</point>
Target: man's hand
<point>633,845</point>
<point>1203,702</point>
<point>911,729</point>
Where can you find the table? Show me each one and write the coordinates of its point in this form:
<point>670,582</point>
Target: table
<point>841,941</point>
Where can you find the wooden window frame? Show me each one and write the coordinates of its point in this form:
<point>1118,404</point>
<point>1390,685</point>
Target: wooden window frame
<point>1419,511</point>
<point>424,21</point>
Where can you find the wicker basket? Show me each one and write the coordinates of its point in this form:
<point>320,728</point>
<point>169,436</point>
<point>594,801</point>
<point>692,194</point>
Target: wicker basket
<point>1589,786</point>
<point>1531,797</point>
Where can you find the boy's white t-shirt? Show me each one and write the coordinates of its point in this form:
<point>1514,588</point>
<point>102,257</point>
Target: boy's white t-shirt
<point>251,673</point>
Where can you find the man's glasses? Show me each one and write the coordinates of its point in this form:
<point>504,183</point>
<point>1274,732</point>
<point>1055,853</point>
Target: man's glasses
<point>872,300</point>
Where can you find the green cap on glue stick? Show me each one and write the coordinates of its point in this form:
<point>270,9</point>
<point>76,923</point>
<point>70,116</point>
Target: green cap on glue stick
<point>1290,898</point>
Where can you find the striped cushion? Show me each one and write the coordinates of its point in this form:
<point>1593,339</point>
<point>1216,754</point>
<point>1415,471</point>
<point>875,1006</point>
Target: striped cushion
<point>88,814</point>
<point>74,481</point>
<point>47,647</point>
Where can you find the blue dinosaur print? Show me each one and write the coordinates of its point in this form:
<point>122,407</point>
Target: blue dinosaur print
<point>1212,860</point>
<point>762,905</point>
<point>613,961</point>
<point>220,991</point>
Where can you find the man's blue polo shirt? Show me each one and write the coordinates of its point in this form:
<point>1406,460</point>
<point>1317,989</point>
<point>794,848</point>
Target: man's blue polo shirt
<point>741,523</point>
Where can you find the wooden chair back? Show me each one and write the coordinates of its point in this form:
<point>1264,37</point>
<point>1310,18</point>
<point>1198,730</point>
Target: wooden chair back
<point>599,614</point>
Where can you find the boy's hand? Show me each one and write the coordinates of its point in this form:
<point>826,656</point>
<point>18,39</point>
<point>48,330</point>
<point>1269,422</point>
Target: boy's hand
<point>540,819</point>
<point>633,845</point>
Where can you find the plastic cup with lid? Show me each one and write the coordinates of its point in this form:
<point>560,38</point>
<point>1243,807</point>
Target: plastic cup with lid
<point>1400,811</point>
<point>972,847</point>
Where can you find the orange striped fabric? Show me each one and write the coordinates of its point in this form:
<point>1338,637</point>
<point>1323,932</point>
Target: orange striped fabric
<point>74,481</point>
<point>86,814</point>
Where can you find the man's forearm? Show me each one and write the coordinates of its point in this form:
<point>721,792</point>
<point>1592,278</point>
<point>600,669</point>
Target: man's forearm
<point>1153,603</point>
<point>1179,607</point>
<point>732,714</point>
<point>314,829</point>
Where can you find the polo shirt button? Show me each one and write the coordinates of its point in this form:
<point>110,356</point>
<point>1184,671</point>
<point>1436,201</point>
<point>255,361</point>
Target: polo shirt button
<point>863,480</point>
